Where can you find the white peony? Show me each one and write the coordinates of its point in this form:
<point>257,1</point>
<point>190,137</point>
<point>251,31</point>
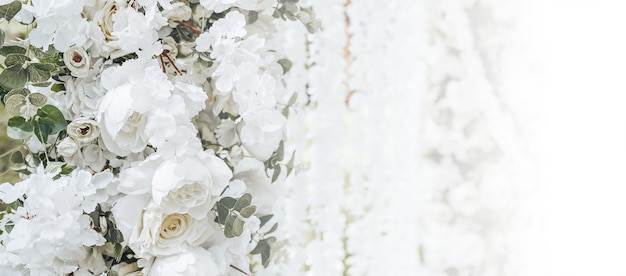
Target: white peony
<point>190,185</point>
<point>195,261</point>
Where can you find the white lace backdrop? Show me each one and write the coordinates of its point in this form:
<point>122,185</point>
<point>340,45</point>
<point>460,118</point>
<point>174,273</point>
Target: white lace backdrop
<point>438,140</point>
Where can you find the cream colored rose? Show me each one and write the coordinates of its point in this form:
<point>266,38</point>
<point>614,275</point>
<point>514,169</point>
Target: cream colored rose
<point>83,129</point>
<point>77,61</point>
<point>163,234</point>
<point>105,19</point>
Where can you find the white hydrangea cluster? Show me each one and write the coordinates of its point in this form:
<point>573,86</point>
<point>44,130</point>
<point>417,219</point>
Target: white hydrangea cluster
<point>154,131</point>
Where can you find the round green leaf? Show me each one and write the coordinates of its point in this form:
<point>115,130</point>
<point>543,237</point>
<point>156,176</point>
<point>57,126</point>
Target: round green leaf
<point>2,36</point>
<point>22,91</point>
<point>17,157</point>
<point>12,49</point>
<point>15,59</point>
<point>37,99</point>
<point>13,77</point>
<point>39,72</point>
<point>18,128</point>
<point>14,103</point>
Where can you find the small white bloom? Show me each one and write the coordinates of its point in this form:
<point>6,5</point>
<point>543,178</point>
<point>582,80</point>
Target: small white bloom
<point>261,132</point>
<point>180,12</point>
<point>68,147</point>
<point>190,262</point>
<point>78,61</point>
<point>83,130</point>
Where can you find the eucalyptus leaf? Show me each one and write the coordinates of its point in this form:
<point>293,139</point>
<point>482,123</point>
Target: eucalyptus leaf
<point>13,77</point>
<point>280,152</point>
<point>15,59</point>
<point>293,99</point>
<point>248,211</point>
<point>244,201</point>
<point>8,11</point>
<point>39,72</point>
<point>274,227</point>
<point>57,87</point>
<point>238,226</point>
<point>12,49</point>
<point>118,252</point>
<point>52,116</point>
<point>13,104</point>
<point>265,219</point>
<point>19,128</point>
<point>276,173</point>
<point>17,157</point>
<point>229,224</point>
<point>37,99</point>
<point>290,163</point>
<point>42,84</point>
<point>2,37</point>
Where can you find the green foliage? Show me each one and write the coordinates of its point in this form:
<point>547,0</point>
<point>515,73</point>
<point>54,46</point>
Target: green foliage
<point>8,11</point>
<point>13,77</point>
<point>264,248</point>
<point>273,163</point>
<point>49,120</point>
<point>15,59</point>
<point>19,128</point>
<point>232,213</point>
<point>290,10</point>
<point>12,49</point>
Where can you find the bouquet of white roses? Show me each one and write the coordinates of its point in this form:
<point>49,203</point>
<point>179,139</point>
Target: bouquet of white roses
<point>148,128</point>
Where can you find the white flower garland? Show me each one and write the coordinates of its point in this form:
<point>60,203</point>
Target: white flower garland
<point>154,130</point>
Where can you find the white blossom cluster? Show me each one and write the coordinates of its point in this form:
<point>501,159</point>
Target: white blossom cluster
<point>154,133</point>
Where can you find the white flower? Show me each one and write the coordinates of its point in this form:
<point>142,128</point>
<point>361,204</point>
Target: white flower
<point>59,23</point>
<point>190,262</point>
<point>179,12</point>
<point>163,234</point>
<point>83,130</point>
<point>68,147</point>
<point>126,269</point>
<point>261,132</point>
<point>134,89</point>
<point>78,61</point>
<point>226,133</point>
<point>190,185</point>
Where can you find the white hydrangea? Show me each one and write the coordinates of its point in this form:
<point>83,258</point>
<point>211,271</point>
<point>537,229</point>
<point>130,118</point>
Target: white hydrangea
<point>50,231</point>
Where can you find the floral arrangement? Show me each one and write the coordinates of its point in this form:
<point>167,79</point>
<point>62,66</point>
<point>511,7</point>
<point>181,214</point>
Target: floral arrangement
<point>152,131</point>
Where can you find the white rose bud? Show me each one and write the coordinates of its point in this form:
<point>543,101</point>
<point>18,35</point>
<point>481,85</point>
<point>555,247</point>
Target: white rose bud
<point>77,60</point>
<point>104,18</point>
<point>83,130</point>
<point>68,147</point>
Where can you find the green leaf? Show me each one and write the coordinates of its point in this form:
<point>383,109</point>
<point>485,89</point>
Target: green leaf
<point>293,99</point>
<point>276,173</point>
<point>8,11</point>
<point>264,248</point>
<point>265,219</point>
<point>41,54</point>
<point>39,72</point>
<point>228,225</point>
<point>290,163</point>
<point>118,251</point>
<point>280,152</point>
<point>238,226</point>
<point>18,128</point>
<point>13,77</point>
<point>253,16</point>
<point>248,211</point>
<point>243,201</point>
<point>22,91</point>
<point>12,49</point>
<point>37,99</point>
<point>285,64</point>
<point>42,84</point>
<point>14,103</point>
<point>17,157</point>
<point>57,87</point>
<point>67,169</point>
<point>14,59</point>
<point>49,120</point>
<point>2,36</point>
<point>53,117</point>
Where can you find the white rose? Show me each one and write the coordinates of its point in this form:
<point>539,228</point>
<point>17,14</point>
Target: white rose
<point>83,129</point>
<point>93,157</point>
<point>68,147</point>
<point>104,18</point>
<point>77,61</point>
<point>191,262</point>
<point>190,185</point>
<point>163,234</point>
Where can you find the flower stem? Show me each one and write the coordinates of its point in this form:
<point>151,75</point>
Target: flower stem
<point>189,26</point>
